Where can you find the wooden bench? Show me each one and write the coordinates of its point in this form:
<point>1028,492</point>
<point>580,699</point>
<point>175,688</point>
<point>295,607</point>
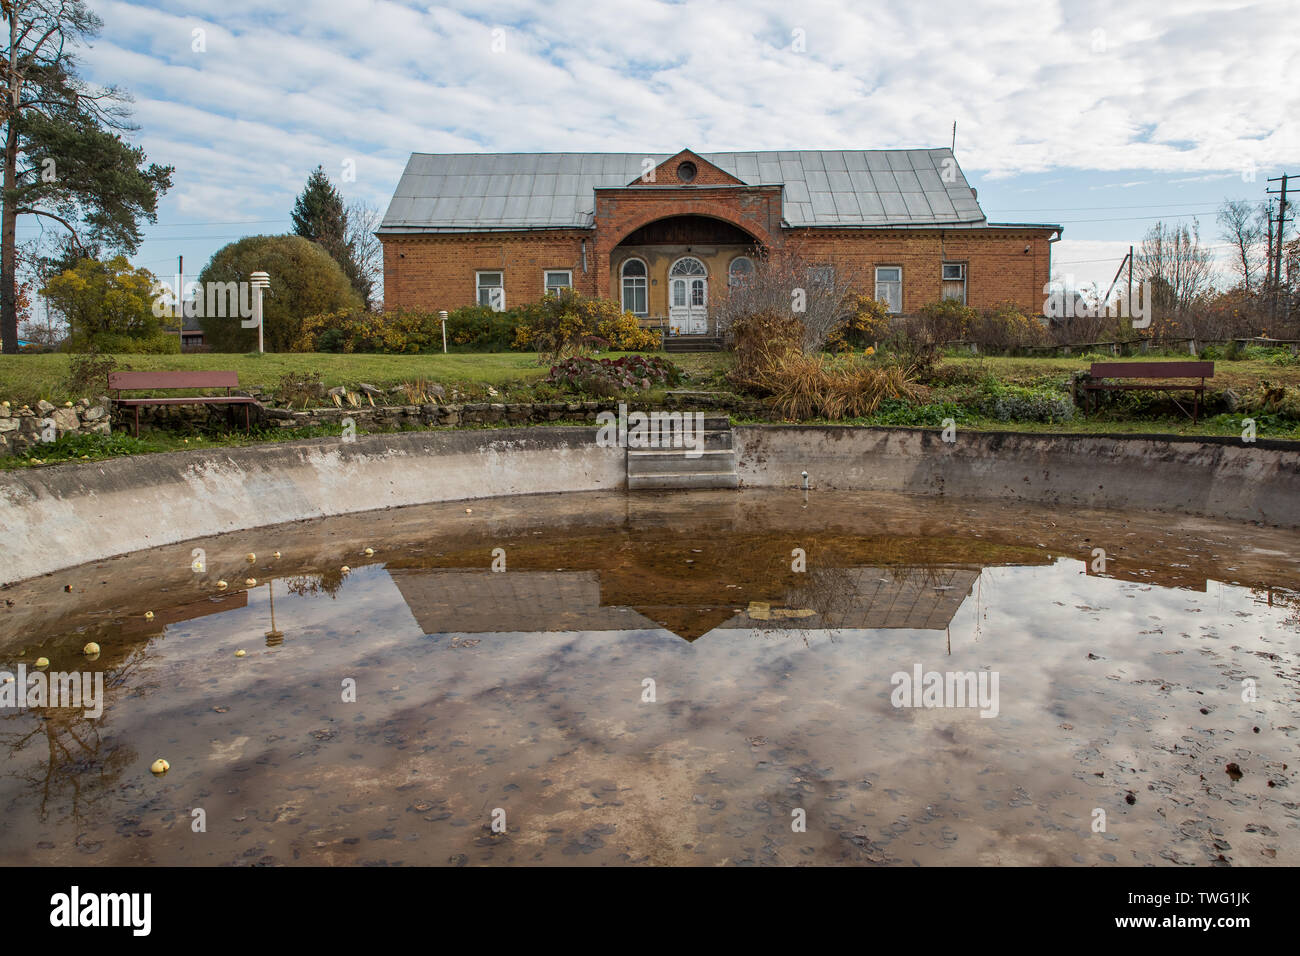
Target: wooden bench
<point>119,382</point>
<point>1149,370</point>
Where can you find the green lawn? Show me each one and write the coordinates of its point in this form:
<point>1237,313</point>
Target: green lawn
<point>26,378</point>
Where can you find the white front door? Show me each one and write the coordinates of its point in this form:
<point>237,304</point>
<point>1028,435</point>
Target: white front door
<point>688,297</point>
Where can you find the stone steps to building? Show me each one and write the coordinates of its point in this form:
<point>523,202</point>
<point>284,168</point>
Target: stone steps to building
<point>692,343</point>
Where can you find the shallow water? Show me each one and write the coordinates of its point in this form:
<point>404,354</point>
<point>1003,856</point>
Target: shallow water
<point>521,694</point>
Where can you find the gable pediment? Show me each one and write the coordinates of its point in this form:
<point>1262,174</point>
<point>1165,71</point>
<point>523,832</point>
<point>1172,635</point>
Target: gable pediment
<point>686,168</point>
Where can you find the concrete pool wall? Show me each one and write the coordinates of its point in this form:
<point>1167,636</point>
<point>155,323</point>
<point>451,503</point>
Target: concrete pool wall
<point>1214,477</point>
<point>61,516</point>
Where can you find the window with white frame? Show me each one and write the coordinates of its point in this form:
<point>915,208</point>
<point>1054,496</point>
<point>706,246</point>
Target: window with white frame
<point>741,268</point>
<point>492,290</point>
<point>889,286</point>
<point>557,280</point>
<point>634,287</point>
<point>954,281</point>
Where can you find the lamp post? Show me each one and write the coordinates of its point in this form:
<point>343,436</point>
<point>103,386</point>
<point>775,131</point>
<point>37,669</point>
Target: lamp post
<point>259,281</point>
<point>443,316</point>
<point>274,638</point>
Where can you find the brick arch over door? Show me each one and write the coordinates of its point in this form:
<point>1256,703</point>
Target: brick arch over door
<point>606,244</point>
<point>759,235</point>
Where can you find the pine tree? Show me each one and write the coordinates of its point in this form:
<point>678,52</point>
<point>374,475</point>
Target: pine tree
<point>64,158</point>
<point>319,215</point>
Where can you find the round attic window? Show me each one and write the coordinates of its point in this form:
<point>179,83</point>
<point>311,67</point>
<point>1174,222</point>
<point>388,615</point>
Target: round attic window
<point>686,171</point>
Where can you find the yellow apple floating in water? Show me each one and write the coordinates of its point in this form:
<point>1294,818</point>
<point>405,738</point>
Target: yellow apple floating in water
<point>148,615</point>
<point>91,649</point>
<point>42,662</point>
<point>250,557</point>
<point>241,653</point>
<point>160,767</point>
<point>369,551</point>
<point>250,582</point>
<point>345,569</point>
<point>276,555</point>
<point>222,585</point>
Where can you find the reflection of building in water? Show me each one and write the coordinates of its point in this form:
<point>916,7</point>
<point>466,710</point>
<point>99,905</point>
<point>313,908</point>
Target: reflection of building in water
<point>869,598</point>
<point>473,601</point>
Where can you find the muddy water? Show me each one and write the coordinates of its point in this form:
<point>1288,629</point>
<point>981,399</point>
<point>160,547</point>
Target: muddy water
<point>524,695</point>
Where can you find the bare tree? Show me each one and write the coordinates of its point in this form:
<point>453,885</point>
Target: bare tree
<point>367,251</point>
<point>1178,267</point>
<point>786,282</point>
<point>1243,226</point>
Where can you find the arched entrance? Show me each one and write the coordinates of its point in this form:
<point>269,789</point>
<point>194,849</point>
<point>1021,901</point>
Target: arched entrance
<point>688,297</point>
<point>669,271</point>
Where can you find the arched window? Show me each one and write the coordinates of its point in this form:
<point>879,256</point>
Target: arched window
<point>741,268</point>
<point>688,267</point>
<point>634,287</point>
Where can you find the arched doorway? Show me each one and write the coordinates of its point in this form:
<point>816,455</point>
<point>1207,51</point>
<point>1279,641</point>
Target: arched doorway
<point>688,297</point>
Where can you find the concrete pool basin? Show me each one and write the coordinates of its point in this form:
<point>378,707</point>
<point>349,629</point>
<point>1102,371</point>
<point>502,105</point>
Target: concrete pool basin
<point>61,516</point>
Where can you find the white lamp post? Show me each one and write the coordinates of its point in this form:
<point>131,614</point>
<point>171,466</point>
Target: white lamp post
<point>443,315</point>
<point>259,281</point>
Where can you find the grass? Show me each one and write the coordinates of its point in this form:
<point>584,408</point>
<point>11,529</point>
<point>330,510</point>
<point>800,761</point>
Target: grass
<point>1033,371</point>
<point>26,378</point>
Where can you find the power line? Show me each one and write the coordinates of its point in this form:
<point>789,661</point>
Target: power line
<point>1145,205</point>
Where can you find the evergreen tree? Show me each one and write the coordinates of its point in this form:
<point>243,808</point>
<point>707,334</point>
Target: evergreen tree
<point>319,215</point>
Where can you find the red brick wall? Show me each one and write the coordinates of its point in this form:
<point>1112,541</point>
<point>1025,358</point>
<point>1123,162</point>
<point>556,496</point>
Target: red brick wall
<point>619,212</point>
<point>998,269</point>
<point>438,271</point>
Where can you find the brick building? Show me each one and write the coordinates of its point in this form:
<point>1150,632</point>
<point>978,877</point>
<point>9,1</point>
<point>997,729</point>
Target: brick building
<point>667,236</point>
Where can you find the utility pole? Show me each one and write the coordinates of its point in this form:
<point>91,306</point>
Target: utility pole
<point>1277,245</point>
<point>180,298</point>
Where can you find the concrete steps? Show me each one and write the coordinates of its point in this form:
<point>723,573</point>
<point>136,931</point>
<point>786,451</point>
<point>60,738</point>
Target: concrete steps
<point>714,467</point>
<point>692,343</point>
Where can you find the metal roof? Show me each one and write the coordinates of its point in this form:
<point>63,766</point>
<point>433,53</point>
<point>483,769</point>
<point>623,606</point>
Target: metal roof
<point>460,192</point>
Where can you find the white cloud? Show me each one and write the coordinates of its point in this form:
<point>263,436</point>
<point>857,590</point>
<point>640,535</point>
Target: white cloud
<point>1173,89</point>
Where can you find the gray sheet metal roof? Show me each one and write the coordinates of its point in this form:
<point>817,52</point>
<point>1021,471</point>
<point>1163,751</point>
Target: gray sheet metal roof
<point>460,192</point>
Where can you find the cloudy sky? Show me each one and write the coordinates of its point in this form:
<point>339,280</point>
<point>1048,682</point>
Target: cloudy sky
<point>1102,116</point>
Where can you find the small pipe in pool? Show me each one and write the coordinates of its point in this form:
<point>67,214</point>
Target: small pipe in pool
<point>805,481</point>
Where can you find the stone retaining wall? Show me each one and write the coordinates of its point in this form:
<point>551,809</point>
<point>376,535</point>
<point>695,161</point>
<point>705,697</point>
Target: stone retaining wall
<point>24,428</point>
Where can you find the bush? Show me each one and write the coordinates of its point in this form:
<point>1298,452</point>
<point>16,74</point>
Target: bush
<point>89,373</point>
<point>1282,401</point>
<point>305,282</point>
<point>108,343</point>
<point>109,307</point>
<point>1014,403</point>
<point>866,324</point>
<point>563,323</point>
<point>476,328</point>
<point>1005,327</point>
<point>760,339</point>
<point>608,377</point>
<point>918,339</point>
